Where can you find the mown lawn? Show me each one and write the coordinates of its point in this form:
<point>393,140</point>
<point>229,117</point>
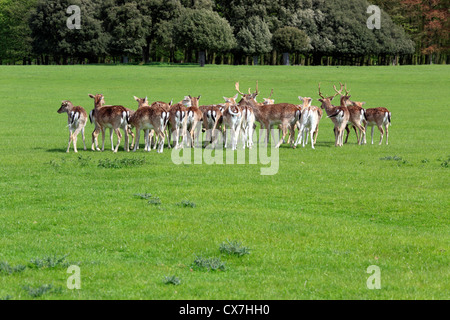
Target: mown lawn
<point>312,229</point>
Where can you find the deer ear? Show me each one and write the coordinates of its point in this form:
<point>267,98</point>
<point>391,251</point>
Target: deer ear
<point>170,103</point>
<point>199,97</point>
<point>136,98</point>
<point>320,100</point>
<point>146,99</point>
<point>236,96</point>
<point>300,98</point>
<point>363,103</point>
<point>92,96</point>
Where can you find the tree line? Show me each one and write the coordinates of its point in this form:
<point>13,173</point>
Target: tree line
<point>304,32</point>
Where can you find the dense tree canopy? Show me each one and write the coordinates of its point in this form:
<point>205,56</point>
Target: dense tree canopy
<point>315,31</point>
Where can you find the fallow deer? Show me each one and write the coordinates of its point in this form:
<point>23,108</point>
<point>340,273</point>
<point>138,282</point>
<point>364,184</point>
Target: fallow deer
<point>356,115</point>
<point>378,117</point>
<point>112,117</point>
<point>285,114</point>
<point>77,118</point>
<point>212,119</point>
<point>339,116</point>
<point>149,118</point>
<point>232,117</point>
<point>178,123</point>
<point>194,119</point>
<point>308,122</point>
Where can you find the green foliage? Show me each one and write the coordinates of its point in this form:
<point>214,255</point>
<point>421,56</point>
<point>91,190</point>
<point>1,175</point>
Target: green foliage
<point>255,37</point>
<point>51,36</point>
<point>210,264</point>
<point>290,39</point>
<point>41,290</point>
<point>186,204</point>
<point>49,262</point>
<point>172,280</point>
<point>203,30</point>
<point>234,248</point>
<point>5,268</point>
<point>120,163</point>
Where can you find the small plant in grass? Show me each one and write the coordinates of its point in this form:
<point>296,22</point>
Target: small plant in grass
<point>41,290</point>
<point>151,199</point>
<point>5,268</point>
<point>172,280</point>
<point>120,163</point>
<point>214,264</point>
<point>445,163</point>
<point>234,247</point>
<point>186,204</point>
<point>390,158</point>
<point>49,262</point>
<point>84,161</point>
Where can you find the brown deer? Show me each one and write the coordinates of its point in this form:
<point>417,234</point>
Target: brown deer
<point>149,118</point>
<point>356,115</point>
<point>178,123</point>
<point>339,115</point>
<point>112,117</point>
<point>212,119</point>
<point>378,117</point>
<point>194,119</point>
<point>77,118</point>
<point>285,114</point>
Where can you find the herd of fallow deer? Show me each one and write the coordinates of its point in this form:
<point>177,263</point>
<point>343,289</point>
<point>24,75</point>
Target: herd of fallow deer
<point>185,120</point>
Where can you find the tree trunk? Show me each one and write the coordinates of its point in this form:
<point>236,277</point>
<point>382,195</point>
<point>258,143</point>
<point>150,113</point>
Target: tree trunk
<point>255,60</point>
<point>202,58</point>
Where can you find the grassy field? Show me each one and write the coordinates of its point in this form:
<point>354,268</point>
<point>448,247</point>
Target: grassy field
<point>311,230</point>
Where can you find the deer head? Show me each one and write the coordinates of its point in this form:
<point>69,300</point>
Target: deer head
<point>142,102</point>
<point>66,105</point>
<point>99,100</point>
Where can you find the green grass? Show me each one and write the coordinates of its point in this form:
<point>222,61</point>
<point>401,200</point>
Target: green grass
<point>313,228</point>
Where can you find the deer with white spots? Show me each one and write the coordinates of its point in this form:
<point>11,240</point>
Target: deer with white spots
<point>77,118</point>
<point>194,119</point>
<point>149,118</point>
<point>338,114</point>
<point>112,117</point>
<point>356,115</point>
<point>378,117</point>
<point>285,114</point>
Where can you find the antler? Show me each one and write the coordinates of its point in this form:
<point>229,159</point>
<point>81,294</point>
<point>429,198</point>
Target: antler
<point>257,92</point>
<point>338,92</point>
<point>271,92</point>
<point>320,93</point>
<point>236,85</point>
<point>347,92</point>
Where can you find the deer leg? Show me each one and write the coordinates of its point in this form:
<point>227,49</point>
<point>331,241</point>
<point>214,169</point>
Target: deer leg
<point>75,138</point>
<point>284,131</point>
<point>348,133</point>
<point>138,136</point>
<point>386,128</point>
<point>312,138</point>
<point>103,139</point>
<point>382,133</point>
<point>119,137</point>
<point>84,140</point>
<point>70,139</point>
<point>316,133</point>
